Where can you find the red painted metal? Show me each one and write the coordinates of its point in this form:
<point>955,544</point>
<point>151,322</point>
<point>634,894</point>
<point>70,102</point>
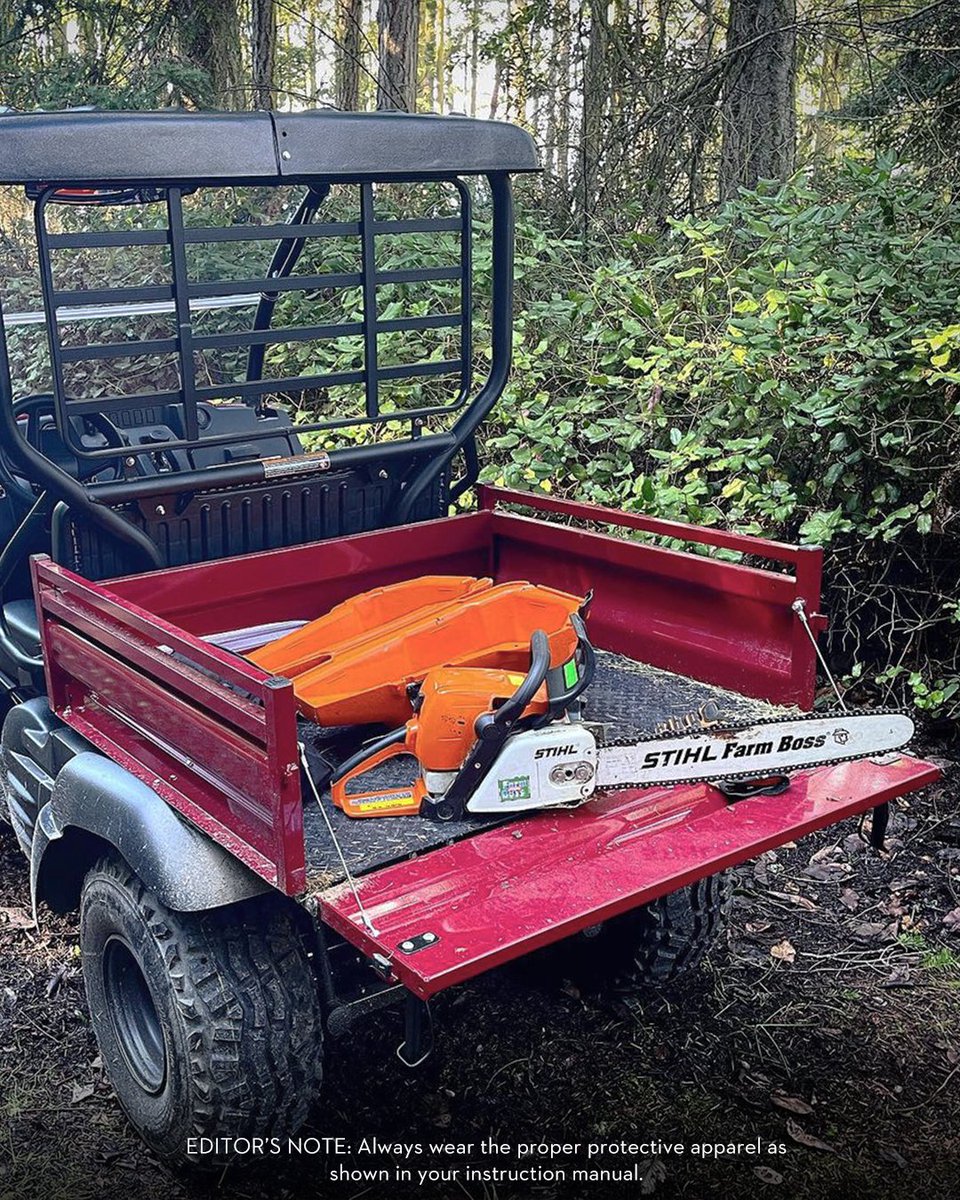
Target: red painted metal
<point>491,497</point>
<point>164,705</point>
<point>494,897</point>
<point>717,621</point>
<point>302,582</point>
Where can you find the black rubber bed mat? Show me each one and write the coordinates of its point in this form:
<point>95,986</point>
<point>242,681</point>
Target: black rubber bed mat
<point>629,699</point>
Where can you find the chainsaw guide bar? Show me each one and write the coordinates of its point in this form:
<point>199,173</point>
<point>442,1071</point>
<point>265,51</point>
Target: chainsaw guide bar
<point>672,759</point>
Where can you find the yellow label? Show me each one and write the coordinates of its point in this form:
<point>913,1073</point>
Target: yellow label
<point>381,802</point>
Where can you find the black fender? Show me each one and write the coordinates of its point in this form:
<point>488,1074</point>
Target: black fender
<point>97,805</point>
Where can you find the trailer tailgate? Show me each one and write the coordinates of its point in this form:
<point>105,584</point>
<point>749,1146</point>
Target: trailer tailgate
<point>501,894</point>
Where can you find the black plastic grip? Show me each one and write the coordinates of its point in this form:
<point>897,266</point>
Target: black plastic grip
<point>512,709</point>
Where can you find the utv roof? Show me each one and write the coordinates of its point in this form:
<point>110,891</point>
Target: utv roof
<point>269,147</point>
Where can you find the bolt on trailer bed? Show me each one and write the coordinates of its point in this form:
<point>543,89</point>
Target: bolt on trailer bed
<point>199,468</point>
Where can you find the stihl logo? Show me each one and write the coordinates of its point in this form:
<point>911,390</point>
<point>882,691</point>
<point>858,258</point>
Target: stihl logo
<point>555,751</point>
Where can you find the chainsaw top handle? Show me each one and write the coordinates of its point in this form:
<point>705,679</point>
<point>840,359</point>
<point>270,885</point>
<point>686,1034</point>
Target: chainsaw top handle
<point>501,721</point>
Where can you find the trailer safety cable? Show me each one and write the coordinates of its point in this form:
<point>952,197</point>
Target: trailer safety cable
<point>364,916</point>
<point>800,608</point>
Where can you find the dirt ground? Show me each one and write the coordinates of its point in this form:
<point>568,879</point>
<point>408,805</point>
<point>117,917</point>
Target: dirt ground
<point>828,1024</point>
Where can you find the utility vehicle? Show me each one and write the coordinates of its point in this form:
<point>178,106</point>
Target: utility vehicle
<point>272,342</point>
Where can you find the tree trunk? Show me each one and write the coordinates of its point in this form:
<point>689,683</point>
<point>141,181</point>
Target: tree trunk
<point>399,23</point>
<point>595,98</point>
<point>759,95</point>
<point>208,36</point>
<point>474,54</point>
<point>264,51</point>
<point>347,69</point>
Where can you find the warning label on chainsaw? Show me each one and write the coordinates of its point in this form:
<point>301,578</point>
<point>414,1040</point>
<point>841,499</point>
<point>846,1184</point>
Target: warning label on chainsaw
<point>428,1163</point>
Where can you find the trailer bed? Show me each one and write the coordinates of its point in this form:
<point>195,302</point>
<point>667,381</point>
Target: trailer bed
<point>628,698</point>
<point>129,668</point>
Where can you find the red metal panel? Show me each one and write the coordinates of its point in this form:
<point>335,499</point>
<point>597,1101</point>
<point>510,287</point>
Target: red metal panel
<point>703,535</point>
<point>716,621</point>
<point>499,895</point>
<point>305,581</point>
<point>164,705</point>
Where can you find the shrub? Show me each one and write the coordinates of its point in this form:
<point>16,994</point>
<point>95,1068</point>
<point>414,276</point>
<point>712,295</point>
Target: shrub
<point>788,366</point>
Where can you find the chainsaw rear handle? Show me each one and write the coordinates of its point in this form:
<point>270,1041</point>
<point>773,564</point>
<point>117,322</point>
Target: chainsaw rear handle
<point>367,750</point>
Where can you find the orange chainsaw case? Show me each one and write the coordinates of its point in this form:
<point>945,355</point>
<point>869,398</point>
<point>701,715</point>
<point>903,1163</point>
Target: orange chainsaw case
<point>360,676</point>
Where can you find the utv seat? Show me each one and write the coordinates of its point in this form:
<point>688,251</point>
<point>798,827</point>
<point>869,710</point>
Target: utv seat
<point>20,619</point>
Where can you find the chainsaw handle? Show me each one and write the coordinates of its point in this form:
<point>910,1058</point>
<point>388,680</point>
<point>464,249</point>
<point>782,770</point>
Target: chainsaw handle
<point>384,802</point>
<point>511,709</point>
<point>367,751</point>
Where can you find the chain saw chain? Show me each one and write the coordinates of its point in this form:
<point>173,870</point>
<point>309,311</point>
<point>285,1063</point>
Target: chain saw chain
<point>723,728</point>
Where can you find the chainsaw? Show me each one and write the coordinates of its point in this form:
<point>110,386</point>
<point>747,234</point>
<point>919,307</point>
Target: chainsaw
<point>490,741</point>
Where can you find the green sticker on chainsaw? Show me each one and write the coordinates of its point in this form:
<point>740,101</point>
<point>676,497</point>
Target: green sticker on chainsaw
<point>570,673</point>
<point>517,788</point>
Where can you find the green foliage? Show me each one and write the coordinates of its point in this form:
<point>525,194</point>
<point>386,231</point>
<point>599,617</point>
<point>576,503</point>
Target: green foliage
<point>788,366</point>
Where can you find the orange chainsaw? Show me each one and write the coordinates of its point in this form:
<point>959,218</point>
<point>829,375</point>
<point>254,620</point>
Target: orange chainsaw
<point>464,720</point>
<point>493,742</point>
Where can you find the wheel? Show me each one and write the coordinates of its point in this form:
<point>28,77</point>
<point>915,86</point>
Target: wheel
<point>655,944</point>
<point>209,1024</point>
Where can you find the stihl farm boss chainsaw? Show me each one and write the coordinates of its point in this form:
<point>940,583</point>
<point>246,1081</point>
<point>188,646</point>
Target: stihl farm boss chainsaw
<point>494,742</point>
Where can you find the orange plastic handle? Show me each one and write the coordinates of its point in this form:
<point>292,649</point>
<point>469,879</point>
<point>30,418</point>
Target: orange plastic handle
<point>389,802</point>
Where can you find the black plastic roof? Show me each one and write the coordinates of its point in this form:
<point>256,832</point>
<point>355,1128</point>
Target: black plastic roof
<point>147,147</point>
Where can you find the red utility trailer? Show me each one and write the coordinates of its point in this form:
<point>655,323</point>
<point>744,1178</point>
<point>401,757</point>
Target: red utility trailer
<point>231,920</point>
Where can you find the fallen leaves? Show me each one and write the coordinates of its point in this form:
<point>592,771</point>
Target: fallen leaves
<point>55,980</point>
<point>792,1104</point>
<point>869,931</point>
<point>849,899</point>
<point>768,1175</point>
<point>951,922</point>
<point>785,951</point>
<point>16,918</point>
<point>795,898</point>
<point>81,1092</point>
<point>810,1140</point>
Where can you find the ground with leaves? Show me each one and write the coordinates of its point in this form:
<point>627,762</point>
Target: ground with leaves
<point>829,1023</point>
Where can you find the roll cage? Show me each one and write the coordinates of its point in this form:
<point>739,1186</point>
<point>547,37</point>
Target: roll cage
<point>154,162</point>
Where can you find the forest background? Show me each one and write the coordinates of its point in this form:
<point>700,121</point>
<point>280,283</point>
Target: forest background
<point>738,275</point>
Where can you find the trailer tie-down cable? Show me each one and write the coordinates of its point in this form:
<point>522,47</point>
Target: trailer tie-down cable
<point>800,608</point>
<point>364,915</point>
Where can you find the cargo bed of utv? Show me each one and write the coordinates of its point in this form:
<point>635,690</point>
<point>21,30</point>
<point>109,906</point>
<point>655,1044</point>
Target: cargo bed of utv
<point>128,669</point>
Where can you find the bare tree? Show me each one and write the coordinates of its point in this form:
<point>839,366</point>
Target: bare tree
<point>347,67</point>
<point>208,34</point>
<point>759,102</point>
<point>264,51</point>
<point>399,25</point>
